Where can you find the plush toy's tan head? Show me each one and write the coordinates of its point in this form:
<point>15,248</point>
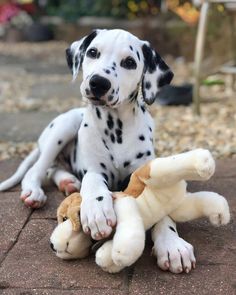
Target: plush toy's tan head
<point>68,239</point>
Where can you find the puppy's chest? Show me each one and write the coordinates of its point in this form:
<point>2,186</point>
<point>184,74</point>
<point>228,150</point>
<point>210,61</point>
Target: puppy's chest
<point>117,143</point>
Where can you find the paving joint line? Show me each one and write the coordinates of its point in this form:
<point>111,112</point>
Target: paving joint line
<point>17,238</point>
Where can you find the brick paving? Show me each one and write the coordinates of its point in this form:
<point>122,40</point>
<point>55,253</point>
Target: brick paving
<point>29,267</point>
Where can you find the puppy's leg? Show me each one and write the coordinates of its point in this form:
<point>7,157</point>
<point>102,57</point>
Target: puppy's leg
<point>172,252</point>
<point>194,165</point>
<point>203,204</point>
<point>65,181</point>
<point>53,139</point>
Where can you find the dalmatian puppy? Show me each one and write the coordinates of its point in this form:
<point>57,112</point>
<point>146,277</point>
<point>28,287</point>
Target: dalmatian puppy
<point>95,148</point>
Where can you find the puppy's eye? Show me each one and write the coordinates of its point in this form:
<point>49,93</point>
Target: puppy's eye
<point>92,52</point>
<point>129,63</point>
<point>64,218</point>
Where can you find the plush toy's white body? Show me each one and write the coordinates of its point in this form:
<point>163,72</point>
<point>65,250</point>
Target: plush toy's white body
<point>164,193</point>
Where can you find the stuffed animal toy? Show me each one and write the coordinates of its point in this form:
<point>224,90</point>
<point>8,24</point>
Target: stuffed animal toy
<point>155,190</point>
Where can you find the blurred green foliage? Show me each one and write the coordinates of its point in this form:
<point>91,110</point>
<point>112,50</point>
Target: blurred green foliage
<point>73,9</point>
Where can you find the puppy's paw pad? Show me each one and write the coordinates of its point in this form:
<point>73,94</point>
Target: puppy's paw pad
<point>35,198</point>
<point>69,186</point>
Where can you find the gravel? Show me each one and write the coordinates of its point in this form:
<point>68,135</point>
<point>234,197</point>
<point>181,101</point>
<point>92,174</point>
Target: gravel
<point>24,66</point>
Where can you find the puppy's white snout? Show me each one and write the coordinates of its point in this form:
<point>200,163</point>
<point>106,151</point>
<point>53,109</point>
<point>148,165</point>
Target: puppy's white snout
<point>99,85</point>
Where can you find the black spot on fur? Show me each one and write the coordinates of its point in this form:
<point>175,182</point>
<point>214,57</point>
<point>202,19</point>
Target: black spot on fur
<point>141,137</point>
<point>111,157</point>
<point>110,122</point>
<point>51,125</point>
<point>119,123</point>
<point>110,97</point>
<point>85,125</point>
<point>112,176</point>
<point>59,142</point>
<point>87,91</point>
<point>113,90</point>
<point>105,176</point>
<point>139,155</point>
<point>103,165</point>
<point>150,128</point>
<point>114,64</point>
<point>107,71</point>
<point>126,163</point>
<point>99,199</point>
<point>85,171</point>
<point>148,85</point>
<point>170,227</point>
<point>119,140</point>
<point>131,47</point>
<point>149,59</point>
<point>105,144</point>
<point>113,68</point>
<point>165,79</point>
<point>118,132</point>
<point>148,153</point>
<point>143,108</point>
<point>112,136</point>
<point>106,132</point>
<point>98,113</point>
<point>138,55</point>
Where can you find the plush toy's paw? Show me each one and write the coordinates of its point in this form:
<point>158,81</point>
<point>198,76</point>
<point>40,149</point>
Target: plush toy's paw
<point>104,258</point>
<point>174,254</point>
<point>205,163</point>
<point>33,197</point>
<point>69,186</point>
<point>219,211</point>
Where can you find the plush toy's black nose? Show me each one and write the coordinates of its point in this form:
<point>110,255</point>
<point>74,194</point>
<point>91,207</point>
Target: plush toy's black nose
<point>99,85</point>
<point>52,247</point>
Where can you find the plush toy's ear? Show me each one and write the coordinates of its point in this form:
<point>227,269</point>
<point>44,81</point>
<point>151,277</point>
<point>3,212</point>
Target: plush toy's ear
<point>70,209</point>
<point>75,53</point>
<point>156,74</point>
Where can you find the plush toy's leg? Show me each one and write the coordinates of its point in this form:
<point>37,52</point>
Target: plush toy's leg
<point>65,181</point>
<point>172,252</point>
<point>194,165</point>
<point>203,204</point>
<point>129,239</point>
<point>104,258</point>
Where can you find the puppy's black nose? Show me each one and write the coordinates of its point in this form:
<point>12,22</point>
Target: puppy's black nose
<point>52,247</point>
<point>99,85</point>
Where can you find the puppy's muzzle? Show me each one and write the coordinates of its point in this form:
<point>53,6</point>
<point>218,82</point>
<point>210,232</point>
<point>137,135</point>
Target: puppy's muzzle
<point>99,85</point>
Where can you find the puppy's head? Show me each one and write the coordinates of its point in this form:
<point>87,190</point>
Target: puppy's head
<point>68,239</point>
<point>115,63</point>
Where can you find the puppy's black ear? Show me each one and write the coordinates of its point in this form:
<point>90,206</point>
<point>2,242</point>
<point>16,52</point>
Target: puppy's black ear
<point>75,53</point>
<point>156,74</point>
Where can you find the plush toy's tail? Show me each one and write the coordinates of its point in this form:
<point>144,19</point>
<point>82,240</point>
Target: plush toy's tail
<point>21,171</point>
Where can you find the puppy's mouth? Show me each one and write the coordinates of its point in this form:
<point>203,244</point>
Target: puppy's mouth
<point>97,101</point>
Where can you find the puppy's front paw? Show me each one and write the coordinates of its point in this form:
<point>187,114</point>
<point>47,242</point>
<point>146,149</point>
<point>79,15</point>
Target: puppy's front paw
<point>173,253</point>
<point>205,164</point>
<point>98,216</point>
